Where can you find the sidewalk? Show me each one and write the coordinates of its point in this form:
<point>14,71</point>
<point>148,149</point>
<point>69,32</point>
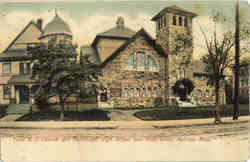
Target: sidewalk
<point>117,124</point>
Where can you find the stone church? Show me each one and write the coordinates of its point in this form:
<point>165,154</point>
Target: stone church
<point>137,70</point>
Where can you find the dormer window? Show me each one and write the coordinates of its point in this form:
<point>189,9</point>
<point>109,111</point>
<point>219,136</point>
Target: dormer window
<point>174,20</point>
<point>180,21</point>
<point>185,22</point>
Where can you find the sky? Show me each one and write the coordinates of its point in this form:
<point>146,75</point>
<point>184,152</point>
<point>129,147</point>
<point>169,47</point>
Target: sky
<point>88,18</point>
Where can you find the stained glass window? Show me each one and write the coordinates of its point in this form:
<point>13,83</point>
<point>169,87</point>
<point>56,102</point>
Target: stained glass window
<point>141,61</point>
<point>130,62</point>
<point>152,64</point>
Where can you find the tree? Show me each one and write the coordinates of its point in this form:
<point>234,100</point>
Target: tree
<point>56,69</point>
<point>219,57</point>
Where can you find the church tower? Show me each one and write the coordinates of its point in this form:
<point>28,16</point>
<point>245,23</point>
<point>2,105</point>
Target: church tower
<point>172,22</point>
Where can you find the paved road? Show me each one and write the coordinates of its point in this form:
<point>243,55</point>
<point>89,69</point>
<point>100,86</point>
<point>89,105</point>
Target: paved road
<point>237,130</point>
<point>196,140</point>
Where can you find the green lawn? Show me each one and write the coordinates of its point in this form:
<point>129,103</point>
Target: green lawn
<point>188,112</point>
<point>88,115</point>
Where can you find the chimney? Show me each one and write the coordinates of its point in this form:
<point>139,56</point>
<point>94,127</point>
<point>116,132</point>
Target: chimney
<point>39,23</point>
<point>120,22</point>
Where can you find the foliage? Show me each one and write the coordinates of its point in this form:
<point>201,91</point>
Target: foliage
<point>182,88</point>
<point>55,68</point>
<point>219,57</point>
<point>158,102</point>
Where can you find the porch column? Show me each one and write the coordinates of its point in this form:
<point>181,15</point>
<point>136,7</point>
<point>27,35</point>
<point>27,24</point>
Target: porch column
<point>17,93</point>
<point>12,93</point>
<point>31,99</point>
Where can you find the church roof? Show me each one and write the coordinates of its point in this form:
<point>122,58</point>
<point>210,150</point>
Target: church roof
<point>118,32</point>
<point>148,37</point>
<point>173,8</point>
<point>56,26</point>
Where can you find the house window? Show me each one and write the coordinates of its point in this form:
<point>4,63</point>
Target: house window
<point>6,91</point>
<point>25,68</point>
<point>131,92</point>
<point>174,20</point>
<point>158,25</point>
<point>180,21</point>
<point>185,22</point>
<point>152,64</point>
<point>126,92</point>
<point>6,67</point>
<point>150,92</point>
<point>141,61</point>
<point>155,92</point>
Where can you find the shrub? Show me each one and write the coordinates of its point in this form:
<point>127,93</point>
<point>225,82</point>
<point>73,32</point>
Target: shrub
<point>41,102</point>
<point>158,102</point>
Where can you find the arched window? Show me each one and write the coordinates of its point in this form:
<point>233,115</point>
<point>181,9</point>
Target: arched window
<point>152,64</point>
<point>129,64</point>
<point>140,61</point>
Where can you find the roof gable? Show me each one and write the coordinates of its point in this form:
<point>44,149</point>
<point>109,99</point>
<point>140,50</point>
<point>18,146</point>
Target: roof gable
<point>29,34</point>
<point>149,39</point>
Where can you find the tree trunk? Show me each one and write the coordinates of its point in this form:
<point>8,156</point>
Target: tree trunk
<point>62,111</point>
<point>237,56</point>
<point>217,106</point>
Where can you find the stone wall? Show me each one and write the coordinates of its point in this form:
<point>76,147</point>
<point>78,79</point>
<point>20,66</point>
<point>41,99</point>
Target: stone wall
<point>116,77</point>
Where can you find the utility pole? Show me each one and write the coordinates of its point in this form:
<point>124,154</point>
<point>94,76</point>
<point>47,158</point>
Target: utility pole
<point>237,63</point>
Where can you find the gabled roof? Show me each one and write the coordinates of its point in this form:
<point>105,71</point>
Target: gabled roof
<point>173,8</point>
<point>118,32</point>
<point>20,34</point>
<point>17,55</point>
<point>149,39</point>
